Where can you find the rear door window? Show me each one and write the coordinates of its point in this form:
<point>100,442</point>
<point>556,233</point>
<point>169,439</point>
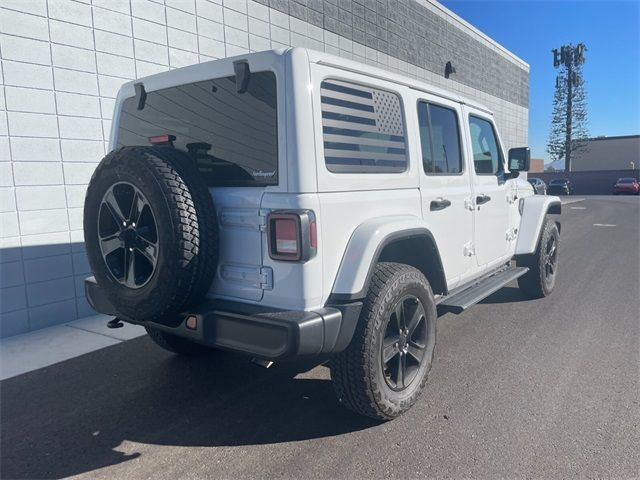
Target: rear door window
<point>232,137</point>
<point>363,129</point>
<point>439,139</point>
<point>487,156</point>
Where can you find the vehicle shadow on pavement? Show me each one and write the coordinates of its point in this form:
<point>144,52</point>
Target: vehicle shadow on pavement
<point>506,295</point>
<point>73,417</point>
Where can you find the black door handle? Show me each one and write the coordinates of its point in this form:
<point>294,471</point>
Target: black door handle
<point>482,199</point>
<point>439,204</point>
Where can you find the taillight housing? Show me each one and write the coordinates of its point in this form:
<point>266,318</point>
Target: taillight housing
<point>292,235</point>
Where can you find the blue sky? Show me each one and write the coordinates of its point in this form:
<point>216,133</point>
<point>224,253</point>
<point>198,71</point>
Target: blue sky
<point>530,29</point>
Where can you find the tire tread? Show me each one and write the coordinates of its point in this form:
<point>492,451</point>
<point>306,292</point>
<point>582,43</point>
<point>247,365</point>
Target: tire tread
<point>351,370</point>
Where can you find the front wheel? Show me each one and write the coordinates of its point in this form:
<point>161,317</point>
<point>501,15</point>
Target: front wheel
<point>383,371</point>
<point>539,281</point>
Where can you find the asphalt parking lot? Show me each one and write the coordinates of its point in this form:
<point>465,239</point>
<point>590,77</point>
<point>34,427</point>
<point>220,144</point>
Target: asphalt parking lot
<point>519,388</point>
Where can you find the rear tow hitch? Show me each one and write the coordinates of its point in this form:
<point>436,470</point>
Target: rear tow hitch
<point>115,323</point>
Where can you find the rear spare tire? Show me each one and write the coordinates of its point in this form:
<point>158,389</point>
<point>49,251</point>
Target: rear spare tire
<point>151,232</point>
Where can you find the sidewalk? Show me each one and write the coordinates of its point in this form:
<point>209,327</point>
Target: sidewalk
<point>30,351</point>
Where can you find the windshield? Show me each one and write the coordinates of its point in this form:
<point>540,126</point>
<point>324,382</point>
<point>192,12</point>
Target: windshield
<point>558,182</point>
<point>232,137</point>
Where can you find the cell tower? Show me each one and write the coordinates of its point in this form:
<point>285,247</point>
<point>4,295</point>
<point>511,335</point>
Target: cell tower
<point>569,119</point>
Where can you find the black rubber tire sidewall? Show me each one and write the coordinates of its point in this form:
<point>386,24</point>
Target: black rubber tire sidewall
<point>172,286</point>
<point>534,283</point>
<point>357,373</point>
<point>391,401</point>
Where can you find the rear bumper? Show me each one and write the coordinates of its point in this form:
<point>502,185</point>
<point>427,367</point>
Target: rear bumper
<point>254,330</point>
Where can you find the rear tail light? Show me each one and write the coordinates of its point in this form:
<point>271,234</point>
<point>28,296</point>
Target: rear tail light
<point>292,235</point>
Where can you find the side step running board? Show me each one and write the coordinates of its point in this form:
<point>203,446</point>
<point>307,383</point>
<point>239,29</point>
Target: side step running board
<point>459,301</point>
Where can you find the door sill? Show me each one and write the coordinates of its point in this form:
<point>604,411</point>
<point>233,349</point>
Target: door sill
<point>467,295</point>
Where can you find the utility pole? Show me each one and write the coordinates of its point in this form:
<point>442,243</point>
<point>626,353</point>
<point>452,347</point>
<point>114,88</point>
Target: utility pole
<point>569,90</point>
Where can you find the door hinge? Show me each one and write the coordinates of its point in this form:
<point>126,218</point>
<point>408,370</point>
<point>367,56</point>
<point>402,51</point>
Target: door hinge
<point>263,213</point>
<point>469,204</point>
<point>469,249</point>
<point>266,278</point>
<point>512,234</point>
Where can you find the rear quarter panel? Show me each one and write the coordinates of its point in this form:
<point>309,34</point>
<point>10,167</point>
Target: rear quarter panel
<point>342,212</point>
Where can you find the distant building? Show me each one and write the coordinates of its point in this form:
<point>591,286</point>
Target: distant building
<point>608,153</point>
<point>537,165</point>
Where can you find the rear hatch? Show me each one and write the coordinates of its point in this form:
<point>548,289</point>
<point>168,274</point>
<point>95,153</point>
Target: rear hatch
<point>232,136</point>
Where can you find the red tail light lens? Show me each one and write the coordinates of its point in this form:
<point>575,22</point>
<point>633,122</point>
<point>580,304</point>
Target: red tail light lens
<point>292,235</point>
<point>286,236</point>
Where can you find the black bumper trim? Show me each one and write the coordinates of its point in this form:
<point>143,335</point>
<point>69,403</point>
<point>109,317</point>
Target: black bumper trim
<point>259,331</point>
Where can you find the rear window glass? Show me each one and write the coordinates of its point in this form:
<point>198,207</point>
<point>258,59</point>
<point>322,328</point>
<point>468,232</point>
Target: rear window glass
<point>627,180</point>
<point>363,129</point>
<point>232,137</point>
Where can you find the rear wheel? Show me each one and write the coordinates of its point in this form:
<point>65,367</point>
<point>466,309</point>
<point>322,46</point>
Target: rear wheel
<point>383,371</point>
<point>540,280</point>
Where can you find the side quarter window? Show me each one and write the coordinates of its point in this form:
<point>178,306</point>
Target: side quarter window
<point>363,129</point>
<point>439,139</point>
<point>487,157</point>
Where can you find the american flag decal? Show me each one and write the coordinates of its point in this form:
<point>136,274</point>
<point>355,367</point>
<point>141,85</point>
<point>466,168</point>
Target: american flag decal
<point>363,129</point>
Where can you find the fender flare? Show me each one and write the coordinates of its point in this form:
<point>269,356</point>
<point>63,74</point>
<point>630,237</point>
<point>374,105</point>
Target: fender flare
<point>533,211</point>
<point>364,248</point>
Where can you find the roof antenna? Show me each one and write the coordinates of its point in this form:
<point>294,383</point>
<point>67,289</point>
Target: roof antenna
<point>241,69</point>
<point>141,95</point>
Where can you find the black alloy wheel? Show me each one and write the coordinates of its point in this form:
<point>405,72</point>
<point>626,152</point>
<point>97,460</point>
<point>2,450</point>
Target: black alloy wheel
<point>404,346</point>
<point>128,235</point>
<point>550,258</point>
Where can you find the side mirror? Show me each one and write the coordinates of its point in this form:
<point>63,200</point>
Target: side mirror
<point>519,159</point>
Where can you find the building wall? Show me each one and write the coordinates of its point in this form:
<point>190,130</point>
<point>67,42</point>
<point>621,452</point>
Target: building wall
<point>537,165</point>
<point>608,153</point>
<point>64,60</point>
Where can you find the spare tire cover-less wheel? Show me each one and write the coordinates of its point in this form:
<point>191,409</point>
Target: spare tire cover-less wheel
<point>151,232</point>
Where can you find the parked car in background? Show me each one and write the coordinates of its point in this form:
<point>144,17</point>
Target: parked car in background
<point>539,187</point>
<point>560,186</point>
<point>627,185</point>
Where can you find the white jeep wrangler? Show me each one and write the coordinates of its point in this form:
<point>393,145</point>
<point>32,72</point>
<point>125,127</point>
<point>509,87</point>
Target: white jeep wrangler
<point>290,204</point>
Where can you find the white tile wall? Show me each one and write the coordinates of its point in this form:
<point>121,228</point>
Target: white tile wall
<point>62,62</point>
